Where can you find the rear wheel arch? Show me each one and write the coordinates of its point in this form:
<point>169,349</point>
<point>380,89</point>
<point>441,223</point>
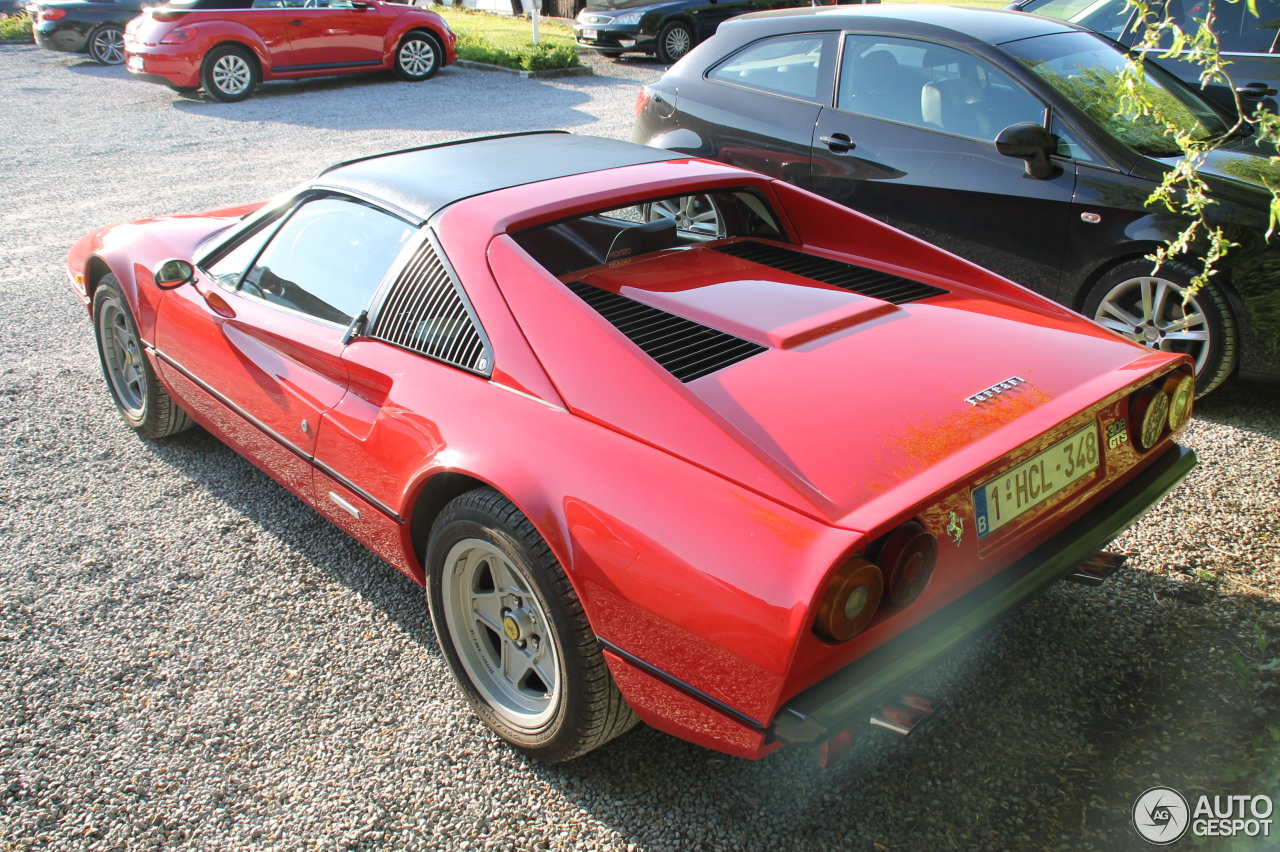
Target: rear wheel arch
<point>437,490</point>
<point>433,495</point>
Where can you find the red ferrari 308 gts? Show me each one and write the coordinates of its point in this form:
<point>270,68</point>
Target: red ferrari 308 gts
<point>228,47</point>
<point>662,438</point>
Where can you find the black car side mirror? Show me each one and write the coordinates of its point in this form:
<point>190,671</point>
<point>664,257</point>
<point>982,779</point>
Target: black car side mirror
<point>1028,141</point>
<point>174,273</point>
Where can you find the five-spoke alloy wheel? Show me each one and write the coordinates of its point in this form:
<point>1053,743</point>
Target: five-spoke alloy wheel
<point>514,632</point>
<point>145,405</point>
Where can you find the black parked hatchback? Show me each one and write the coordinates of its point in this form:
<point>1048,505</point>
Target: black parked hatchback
<point>996,135</point>
<point>95,27</point>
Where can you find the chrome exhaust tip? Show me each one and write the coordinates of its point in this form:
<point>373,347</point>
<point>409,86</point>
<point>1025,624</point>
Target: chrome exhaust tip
<point>1097,568</point>
<point>905,715</point>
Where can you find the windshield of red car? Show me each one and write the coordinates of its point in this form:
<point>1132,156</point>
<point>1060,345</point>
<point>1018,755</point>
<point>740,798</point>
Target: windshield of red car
<point>1087,73</point>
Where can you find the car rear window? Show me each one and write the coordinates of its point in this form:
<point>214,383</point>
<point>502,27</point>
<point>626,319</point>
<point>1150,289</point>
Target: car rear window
<point>621,234</point>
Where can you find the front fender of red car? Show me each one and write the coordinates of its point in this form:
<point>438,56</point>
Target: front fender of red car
<point>131,251</point>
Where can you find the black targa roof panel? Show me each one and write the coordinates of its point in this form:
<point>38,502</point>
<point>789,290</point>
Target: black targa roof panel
<point>421,181</point>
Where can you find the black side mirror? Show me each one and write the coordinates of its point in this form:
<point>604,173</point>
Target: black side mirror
<point>174,273</point>
<point>1028,141</point>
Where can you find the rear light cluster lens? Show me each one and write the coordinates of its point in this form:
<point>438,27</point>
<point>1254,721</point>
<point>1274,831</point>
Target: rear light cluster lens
<point>642,100</point>
<point>854,593</point>
<point>1163,406</point>
<point>52,14</point>
<point>907,559</point>
<point>1182,393</point>
<point>851,600</point>
<point>178,35</point>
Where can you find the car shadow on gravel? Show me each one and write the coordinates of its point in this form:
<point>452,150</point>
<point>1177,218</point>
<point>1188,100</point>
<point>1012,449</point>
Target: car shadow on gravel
<point>88,68</point>
<point>225,475</point>
<point>1089,698</point>
<point>447,102</point>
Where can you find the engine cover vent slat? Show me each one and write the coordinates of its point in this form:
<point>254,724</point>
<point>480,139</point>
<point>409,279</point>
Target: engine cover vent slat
<point>686,349</point>
<point>847,276</point>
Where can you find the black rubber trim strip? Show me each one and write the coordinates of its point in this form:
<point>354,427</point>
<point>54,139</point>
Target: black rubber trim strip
<point>274,436</point>
<point>321,65</point>
<point>680,686</point>
<point>848,697</point>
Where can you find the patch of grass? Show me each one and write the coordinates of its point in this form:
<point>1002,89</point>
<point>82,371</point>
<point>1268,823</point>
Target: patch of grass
<point>15,29</point>
<point>508,41</point>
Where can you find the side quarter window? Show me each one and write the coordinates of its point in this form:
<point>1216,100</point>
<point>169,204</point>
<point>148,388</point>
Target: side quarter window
<point>327,259</point>
<point>931,86</point>
<point>798,66</point>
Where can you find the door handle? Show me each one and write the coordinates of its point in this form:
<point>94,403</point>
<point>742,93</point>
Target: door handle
<point>295,23</point>
<point>1256,90</point>
<point>218,304</point>
<point>838,143</point>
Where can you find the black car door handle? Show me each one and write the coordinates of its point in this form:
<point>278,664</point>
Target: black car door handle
<point>838,143</point>
<point>1256,90</point>
<point>295,23</point>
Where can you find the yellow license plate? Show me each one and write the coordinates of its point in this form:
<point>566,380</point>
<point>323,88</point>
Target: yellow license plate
<point>1018,490</point>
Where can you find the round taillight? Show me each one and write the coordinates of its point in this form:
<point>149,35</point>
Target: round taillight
<point>851,599</point>
<point>1149,414</point>
<point>907,560</point>
<point>1181,389</point>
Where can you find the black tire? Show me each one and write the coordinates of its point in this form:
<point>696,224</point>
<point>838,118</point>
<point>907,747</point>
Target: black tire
<point>418,57</point>
<point>106,45</point>
<point>136,390</point>
<point>229,73</point>
<point>486,563</point>
<point>675,39</point>
<point>1116,301</point>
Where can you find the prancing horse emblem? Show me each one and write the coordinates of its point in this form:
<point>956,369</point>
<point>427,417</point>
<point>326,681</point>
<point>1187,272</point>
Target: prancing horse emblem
<point>955,528</point>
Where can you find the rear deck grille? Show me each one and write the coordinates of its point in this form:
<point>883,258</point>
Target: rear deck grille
<point>686,349</point>
<point>856,279</point>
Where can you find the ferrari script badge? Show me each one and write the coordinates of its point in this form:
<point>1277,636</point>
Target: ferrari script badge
<point>955,528</point>
<point>993,393</point>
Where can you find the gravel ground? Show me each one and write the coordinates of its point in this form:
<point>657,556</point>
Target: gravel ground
<point>193,659</point>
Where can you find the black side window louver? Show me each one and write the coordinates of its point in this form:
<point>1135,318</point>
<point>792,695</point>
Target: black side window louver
<point>426,312</point>
<point>686,349</point>
<point>857,279</point>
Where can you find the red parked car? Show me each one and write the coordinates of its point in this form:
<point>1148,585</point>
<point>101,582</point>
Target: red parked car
<point>228,47</point>
<point>662,438</point>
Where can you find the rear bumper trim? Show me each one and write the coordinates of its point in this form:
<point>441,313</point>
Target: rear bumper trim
<point>852,694</point>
